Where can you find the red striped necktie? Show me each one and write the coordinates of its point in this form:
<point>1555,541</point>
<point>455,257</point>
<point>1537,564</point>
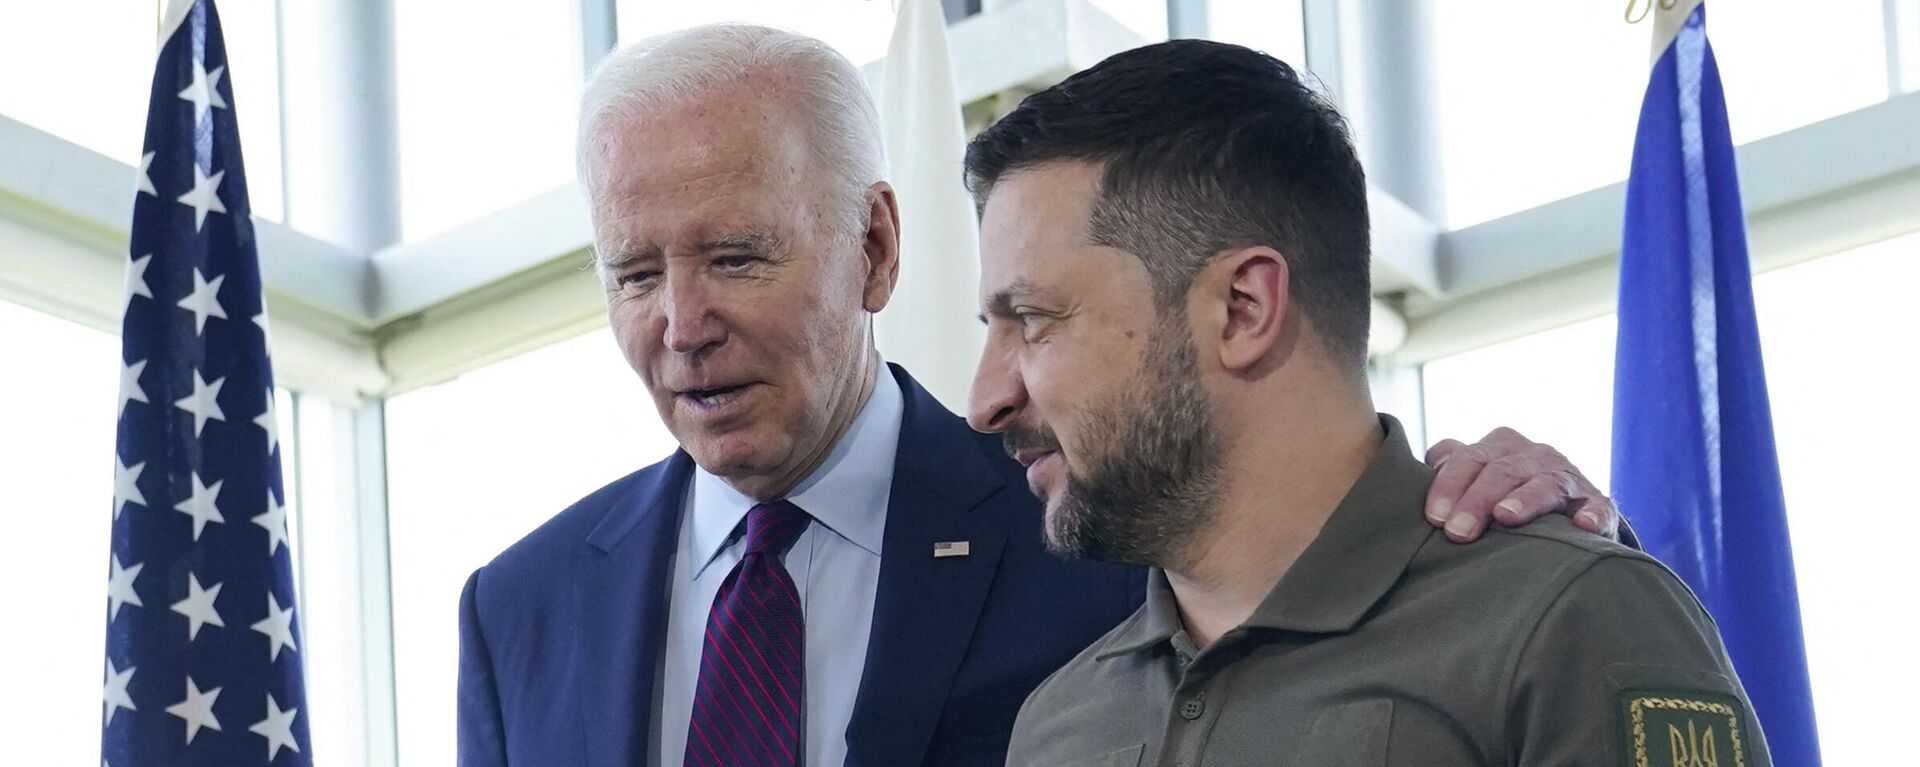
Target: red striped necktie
<point>747,707</point>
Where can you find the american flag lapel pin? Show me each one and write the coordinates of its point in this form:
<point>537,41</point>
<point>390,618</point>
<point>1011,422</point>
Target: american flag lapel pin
<point>943,549</point>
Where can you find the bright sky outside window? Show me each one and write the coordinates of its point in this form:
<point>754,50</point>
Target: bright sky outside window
<point>82,70</point>
<point>1539,101</point>
<point>1276,27</point>
<point>56,440</point>
<point>858,29</point>
<point>488,91</point>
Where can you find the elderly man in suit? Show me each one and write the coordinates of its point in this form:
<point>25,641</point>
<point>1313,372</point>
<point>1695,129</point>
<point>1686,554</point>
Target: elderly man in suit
<point>833,569</point>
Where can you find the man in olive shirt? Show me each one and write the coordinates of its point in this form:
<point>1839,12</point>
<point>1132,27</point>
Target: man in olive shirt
<point>1174,273</point>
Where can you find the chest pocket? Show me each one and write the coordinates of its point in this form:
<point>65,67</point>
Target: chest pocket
<point>1349,735</point>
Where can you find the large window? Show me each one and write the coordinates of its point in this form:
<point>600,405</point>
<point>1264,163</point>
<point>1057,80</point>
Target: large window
<point>858,29</point>
<point>476,463</point>
<point>1148,18</point>
<point>1276,27</point>
<point>82,70</point>
<point>1555,387</point>
<point>1840,372</point>
<point>88,88</point>
<point>253,63</point>
<point>487,95</point>
<point>56,451</point>
<point>1539,100</point>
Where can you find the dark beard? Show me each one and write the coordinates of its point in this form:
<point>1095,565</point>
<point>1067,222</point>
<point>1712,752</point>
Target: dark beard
<point>1152,465</point>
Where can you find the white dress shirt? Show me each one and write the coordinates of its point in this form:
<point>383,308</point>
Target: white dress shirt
<point>835,564</point>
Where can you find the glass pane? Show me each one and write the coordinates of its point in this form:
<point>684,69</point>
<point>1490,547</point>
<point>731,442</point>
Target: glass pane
<point>1840,372</point>
<point>329,564</point>
<point>56,447</point>
<point>1786,66</point>
<point>1470,394</point>
<point>487,92</point>
<point>253,55</point>
<point>1840,375</point>
<point>543,430</point>
<point>82,70</point>
<point>1276,27</point>
<point>858,29</point>
<point>1146,17</point>
<point>1539,101</point>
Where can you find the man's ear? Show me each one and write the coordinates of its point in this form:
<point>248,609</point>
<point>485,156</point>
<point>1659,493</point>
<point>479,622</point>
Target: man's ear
<point>881,246</point>
<point>1253,298</point>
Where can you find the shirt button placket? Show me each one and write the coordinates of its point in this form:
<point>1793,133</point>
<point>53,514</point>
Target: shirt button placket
<point>1193,707</point>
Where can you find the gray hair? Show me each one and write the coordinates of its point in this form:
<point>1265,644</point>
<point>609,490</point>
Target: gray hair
<point>832,97</point>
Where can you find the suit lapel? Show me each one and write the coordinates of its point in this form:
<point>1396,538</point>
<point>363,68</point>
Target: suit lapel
<point>622,598</point>
<point>926,607</point>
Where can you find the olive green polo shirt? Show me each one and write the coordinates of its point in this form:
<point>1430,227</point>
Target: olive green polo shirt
<point>1387,644</point>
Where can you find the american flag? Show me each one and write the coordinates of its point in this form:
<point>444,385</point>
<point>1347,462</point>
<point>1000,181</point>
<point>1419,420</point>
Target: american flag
<point>203,666</point>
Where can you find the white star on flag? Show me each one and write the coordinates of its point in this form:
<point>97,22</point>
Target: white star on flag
<point>130,389</point>
<point>115,693</point>
<point>277,728</point>
<point>204,402</point>
<point>204,300</point>
<point>270,422</point>
<point>261,320</point>
<point>274,521</point>
<point>120,587</point>
<point>197,709</point>
<point>137,278</point>
<point>201,505</point>
<point>126,485</point>
<point>204,91</point>
<point>198,607</point>
<point>204,196</point>
<point>277,626</point>
<point>146,181</point>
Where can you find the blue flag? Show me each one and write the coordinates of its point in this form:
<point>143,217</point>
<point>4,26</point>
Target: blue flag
<point>1693,458</point>
<point>203,666</point>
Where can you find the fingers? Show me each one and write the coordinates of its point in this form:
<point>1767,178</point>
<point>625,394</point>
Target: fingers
<point>1598,515</point>
<point>1539,495</point>
<point>1455,474</point>
<point>1442,449</point>
<point>1497,480</point>
<point>1591,509</point>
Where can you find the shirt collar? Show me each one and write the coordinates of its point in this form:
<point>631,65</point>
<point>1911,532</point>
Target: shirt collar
<point>1356,559</point>
<point>847,493</point>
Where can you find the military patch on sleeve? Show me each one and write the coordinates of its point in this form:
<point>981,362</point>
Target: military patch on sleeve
<point>1683,728</point>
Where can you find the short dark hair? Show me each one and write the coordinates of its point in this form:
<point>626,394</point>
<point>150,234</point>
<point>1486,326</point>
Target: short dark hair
<point>1206,146</point>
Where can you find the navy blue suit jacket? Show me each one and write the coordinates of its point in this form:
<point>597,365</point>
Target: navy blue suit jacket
<point>561,635</point>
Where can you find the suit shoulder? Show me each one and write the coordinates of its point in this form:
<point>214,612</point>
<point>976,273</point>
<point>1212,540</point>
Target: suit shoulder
<point>563,534</point>
<point>994,451</point>
<point>1006,472</point>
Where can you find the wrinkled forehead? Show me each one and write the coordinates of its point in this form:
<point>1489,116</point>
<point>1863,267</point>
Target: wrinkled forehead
<point>699,166</point>
<point>663,152</point>
<point>696,139</point>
